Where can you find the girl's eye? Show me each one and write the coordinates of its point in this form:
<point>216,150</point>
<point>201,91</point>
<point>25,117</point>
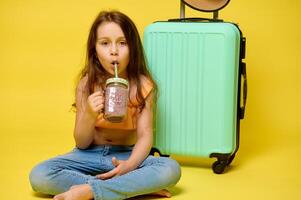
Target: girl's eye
<point>122,43</point>
<point>104,43</point>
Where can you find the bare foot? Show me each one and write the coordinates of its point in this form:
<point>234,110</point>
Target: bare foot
<point>74,187</point>
<point>78,192</point>
<point>162,193</point>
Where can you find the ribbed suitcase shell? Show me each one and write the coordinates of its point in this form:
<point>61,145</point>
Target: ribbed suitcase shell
<point>196,68</point>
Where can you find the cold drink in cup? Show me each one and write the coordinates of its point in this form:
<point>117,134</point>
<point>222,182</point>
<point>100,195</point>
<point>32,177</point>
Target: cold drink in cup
<point>116,99</point>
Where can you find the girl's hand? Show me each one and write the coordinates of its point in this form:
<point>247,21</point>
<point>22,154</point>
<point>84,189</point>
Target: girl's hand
<point>121,167</point>
<point>95,103</point>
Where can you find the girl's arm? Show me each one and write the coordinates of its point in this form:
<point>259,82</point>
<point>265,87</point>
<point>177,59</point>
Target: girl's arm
<point>142,147</point>
<point>144,135</point>
<point>87,109</point>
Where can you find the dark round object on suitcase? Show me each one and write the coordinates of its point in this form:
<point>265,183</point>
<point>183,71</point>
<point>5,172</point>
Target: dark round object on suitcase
<point>206,5</point>
<point>218,167</point>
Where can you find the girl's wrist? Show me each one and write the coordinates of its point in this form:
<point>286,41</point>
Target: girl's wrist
<point>131,164</point>
<point>90,115</point>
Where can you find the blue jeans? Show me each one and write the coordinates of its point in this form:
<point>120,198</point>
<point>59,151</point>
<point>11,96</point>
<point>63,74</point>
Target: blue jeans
<point>58,174</point>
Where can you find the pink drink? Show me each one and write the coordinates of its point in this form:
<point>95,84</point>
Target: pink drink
<point>116,99</point>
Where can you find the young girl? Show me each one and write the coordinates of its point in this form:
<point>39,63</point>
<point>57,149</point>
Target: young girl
<point>111,160</point>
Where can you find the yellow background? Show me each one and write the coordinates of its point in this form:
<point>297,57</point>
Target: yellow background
<point>42,49</point>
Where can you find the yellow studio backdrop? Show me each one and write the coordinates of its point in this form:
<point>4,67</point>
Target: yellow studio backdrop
<point>42,49</point>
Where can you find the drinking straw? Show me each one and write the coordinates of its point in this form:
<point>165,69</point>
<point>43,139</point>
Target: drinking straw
<point>115,70</point>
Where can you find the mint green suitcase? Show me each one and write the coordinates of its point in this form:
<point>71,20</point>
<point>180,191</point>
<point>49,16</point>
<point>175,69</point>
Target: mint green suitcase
<point>198,68</point>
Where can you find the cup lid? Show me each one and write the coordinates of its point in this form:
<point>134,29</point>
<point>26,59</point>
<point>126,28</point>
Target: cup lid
<point>117,80</point>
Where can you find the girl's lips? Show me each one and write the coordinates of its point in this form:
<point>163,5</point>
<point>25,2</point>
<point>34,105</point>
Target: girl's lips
<point>113,67</point>
<point>114,61</point>
<point>113,64</point>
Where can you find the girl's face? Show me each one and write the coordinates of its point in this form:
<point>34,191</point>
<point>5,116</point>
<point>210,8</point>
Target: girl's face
<point>111,46</point>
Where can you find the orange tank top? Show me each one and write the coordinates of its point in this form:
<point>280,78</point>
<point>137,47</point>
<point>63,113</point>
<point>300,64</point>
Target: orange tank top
<point>129,123</point>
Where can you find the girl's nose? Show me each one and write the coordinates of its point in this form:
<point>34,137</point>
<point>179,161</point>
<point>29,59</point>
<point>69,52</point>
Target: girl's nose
<point>114,50</point>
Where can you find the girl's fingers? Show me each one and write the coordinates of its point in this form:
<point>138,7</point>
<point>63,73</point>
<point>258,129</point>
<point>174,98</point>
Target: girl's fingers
<point>108,175</point>
<point>99,108</point>
<point>95,94</point>
<point>97,99</point>
<point>96,102</point>
<point>115,162</point>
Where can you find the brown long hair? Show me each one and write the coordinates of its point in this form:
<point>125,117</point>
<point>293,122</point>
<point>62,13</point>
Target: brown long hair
<point>137,63</point>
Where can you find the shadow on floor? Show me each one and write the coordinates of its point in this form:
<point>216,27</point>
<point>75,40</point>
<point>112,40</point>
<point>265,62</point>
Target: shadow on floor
<point>204,163</point>
<point>194,161</point>
<point>42,196</point>
<point>175,191</point>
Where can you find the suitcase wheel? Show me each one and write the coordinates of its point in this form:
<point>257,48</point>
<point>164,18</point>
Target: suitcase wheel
<point>218,167</point>
<point>223,160</point>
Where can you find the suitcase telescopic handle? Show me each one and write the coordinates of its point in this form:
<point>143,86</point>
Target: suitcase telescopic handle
<point>195,19</point>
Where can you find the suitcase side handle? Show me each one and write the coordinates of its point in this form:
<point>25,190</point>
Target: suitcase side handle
<point>245,90</point>
<point>243,74</point>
